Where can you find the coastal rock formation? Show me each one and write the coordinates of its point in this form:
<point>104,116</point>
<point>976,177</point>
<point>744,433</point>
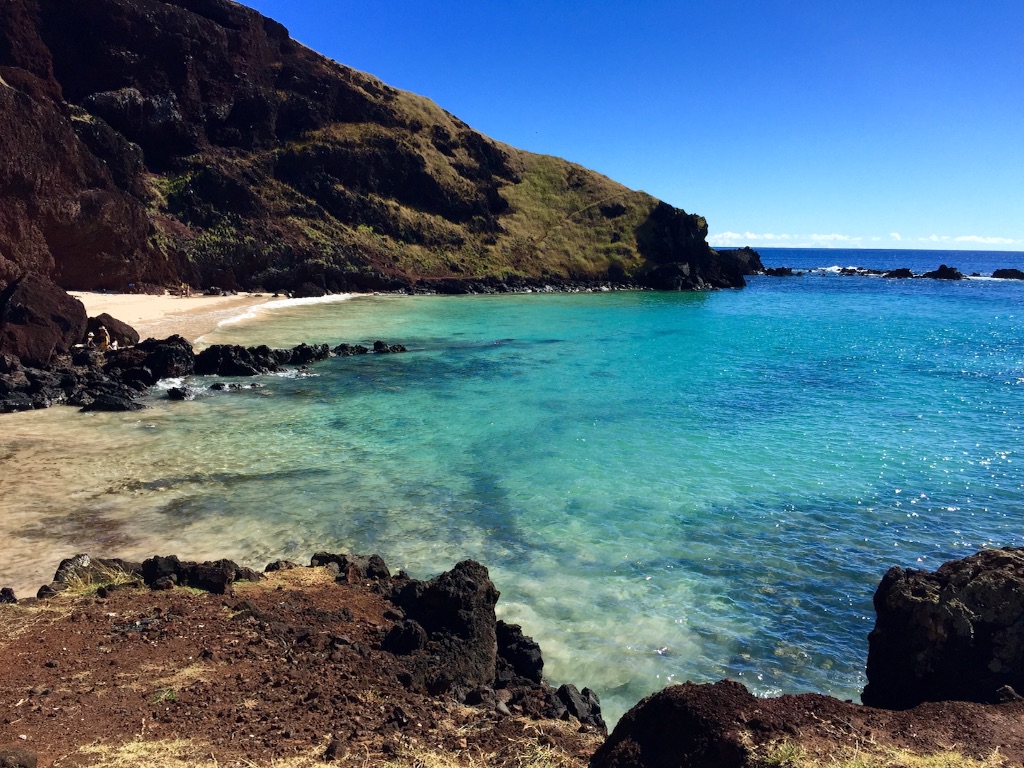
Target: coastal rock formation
<point>957,633</point>
<point>724,725</point>
<point>300,660</point>
<point>945,273</point>
<point>1008,274</point>
<point>39,321</point>
<point>152,141</point>
<point>113,379</point>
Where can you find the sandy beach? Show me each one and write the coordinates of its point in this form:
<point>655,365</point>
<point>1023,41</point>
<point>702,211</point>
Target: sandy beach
<point>163,316</point>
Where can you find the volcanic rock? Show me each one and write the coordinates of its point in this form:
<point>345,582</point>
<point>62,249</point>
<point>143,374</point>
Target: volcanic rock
<point>1008,274</point>
<point>957,633</point>
<point>901,272</point>
<point>456,610</point>
<point>945,273</point>
<point>38,320</point>
<point>120,332</point>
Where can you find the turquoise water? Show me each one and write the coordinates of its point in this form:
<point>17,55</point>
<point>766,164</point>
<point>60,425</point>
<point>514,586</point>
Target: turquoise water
<point>664,486</point>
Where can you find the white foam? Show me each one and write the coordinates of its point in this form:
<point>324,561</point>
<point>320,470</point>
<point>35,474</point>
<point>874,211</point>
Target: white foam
<point>253,312</point>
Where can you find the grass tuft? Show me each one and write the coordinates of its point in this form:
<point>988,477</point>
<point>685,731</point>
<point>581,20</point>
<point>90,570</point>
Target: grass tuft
<point>787,754</point>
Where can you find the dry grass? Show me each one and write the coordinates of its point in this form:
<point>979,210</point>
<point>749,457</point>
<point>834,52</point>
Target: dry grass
<point>81,584</point>
<point>788,754</point>
<point>524,752</point>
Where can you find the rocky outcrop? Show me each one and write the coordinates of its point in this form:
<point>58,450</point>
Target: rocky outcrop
<point>945,273</point>
<point>724,725</point>
<point>456,613</point>
<point>441,635</point>
<point>955,634</point>
<point>112,380</point>
<point>150,141</point>
<point>1008,274</point>
<point>39,321</point>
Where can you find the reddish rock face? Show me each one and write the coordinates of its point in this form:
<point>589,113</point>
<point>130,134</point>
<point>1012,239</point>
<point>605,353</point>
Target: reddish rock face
<point>39,320</point>
<point>149,141</point>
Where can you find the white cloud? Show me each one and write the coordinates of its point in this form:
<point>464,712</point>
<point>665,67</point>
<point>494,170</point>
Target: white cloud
<point>837,239</point>
<point>735,239</point>
<point>983,240</point>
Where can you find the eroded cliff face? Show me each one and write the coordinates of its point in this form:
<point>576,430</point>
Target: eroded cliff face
<point>153,140</point>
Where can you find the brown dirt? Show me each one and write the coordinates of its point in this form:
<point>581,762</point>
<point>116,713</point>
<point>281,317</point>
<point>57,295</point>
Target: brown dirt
<point>281,668</point>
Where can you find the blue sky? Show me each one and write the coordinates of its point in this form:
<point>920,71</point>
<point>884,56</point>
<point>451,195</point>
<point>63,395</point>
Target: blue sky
<point>878,124</point>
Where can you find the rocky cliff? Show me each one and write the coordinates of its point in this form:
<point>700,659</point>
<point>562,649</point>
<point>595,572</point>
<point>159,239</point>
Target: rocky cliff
<point>148,141</point>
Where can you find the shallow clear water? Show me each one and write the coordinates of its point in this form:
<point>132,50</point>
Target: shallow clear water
<point>664,486</point>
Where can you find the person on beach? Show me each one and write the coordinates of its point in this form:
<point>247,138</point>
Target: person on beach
<point>90,340</point>
<point>104,338</point>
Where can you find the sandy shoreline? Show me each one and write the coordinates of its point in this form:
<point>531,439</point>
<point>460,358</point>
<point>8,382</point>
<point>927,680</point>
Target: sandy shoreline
<point>163,316</point>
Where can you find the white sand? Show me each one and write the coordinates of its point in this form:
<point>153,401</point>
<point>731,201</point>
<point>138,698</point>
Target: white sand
<point>163,316</point>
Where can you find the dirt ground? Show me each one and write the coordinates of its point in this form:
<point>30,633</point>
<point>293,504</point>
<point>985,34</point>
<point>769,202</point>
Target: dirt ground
<point>290,672</point>
<point>287,671</point>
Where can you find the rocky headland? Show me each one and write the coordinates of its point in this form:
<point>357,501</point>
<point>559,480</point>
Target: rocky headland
<point>342,662</point>
<point>153,141</point>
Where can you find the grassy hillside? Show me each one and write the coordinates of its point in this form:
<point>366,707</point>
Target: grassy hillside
<point>229,154</point>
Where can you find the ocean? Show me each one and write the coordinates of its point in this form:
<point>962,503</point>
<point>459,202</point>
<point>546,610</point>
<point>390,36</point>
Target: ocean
<point>664,486</point>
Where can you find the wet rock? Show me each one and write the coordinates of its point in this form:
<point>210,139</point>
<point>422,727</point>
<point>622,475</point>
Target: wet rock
<point>901,273</point>
<point>945,273</point>
<point>779,271</point>
<point>182,393</point>
<point>235,360</point>
<point>39,321</point>
<point>15,402</point>
<point>1008,274</point>
<point>112,402</point>
<point>955,634</point>
<point>305,354</point>
<point>169,358</point>
<point>347,350</point>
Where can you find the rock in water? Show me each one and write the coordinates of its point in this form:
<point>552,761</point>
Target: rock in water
<point>38,321</point>
<point>955,634</point>
<point>945,273</point>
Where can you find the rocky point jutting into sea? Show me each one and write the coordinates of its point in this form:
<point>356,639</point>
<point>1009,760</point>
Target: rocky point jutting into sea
<point>153,141</point>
